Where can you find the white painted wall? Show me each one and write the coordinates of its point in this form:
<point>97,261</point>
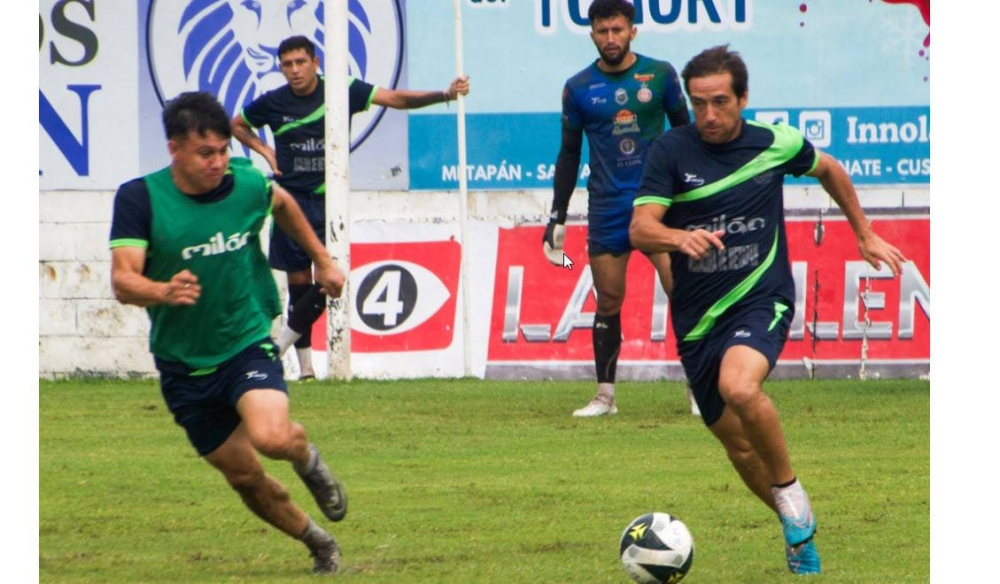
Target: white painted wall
<point>83,330</point>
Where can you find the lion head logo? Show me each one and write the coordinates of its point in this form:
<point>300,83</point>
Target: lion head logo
<point>230,47</point>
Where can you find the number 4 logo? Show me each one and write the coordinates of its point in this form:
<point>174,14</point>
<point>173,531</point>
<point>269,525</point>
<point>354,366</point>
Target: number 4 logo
<point>400,304</point>
<point>383,307</point>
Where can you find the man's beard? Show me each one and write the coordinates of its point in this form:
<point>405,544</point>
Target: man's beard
<point>619,58</point>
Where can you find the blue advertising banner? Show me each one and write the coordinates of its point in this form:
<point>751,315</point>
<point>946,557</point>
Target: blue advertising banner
<point>876,146</point>
<point>852,75</point>
<point>230,49</point>
<point>104,74</point>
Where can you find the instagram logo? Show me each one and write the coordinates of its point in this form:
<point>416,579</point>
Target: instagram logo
<point>816,127</point>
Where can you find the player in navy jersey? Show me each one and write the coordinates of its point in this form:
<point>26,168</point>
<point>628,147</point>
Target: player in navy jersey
<point>185,245</point>
<point>294,112</point>
<point>711,196</point>
<point>621,102</point>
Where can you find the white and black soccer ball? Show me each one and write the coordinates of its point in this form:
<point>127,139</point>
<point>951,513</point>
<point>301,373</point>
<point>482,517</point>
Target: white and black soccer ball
<point>656,548</point>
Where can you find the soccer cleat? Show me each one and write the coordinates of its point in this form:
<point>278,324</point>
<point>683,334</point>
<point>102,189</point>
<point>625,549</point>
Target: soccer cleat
<point>803,558</point>
<point>325,488</point>
<point>326,558</point>
<point>695,410</point>
<point>800,527</point>
<point>599,406</point>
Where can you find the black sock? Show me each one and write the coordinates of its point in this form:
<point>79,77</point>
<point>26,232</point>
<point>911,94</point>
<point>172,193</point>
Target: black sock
<point>306,310</point>
<point>607,345</point>
<point>304,342</point>
<point>295,293</point>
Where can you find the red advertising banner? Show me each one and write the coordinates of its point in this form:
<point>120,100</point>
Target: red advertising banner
<point>403,297</point>
<point>844,308</point>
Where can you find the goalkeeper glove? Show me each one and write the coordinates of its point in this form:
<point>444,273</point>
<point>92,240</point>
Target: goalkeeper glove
<point>552,241</point>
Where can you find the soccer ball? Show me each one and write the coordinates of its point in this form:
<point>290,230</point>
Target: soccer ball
<point>656,548</point>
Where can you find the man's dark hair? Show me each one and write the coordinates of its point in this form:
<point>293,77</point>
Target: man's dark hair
<point>195,111</point>
<point>715,60</point>
<point>297,42</point>
<point>611,8</point>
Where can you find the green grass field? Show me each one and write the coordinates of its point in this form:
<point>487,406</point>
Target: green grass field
<point>478,481</point>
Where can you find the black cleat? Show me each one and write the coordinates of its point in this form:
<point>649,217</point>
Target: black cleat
<point>326,559</point>
<point>325,488</point>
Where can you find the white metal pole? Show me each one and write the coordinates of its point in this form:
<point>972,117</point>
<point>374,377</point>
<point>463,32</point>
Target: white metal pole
<point>463,196</point>
<point>337,151</point>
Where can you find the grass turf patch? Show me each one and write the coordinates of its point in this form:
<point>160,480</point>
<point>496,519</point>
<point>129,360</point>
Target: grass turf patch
<point>483,481</point>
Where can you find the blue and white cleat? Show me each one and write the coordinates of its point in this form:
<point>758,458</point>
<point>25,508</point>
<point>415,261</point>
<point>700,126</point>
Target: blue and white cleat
<point>803,558</point>
<point>799,529</point>
<point>798,524</point>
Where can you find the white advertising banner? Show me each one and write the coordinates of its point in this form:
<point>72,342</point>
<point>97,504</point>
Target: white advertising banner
<point>407,312</point>
<point>87,85</point>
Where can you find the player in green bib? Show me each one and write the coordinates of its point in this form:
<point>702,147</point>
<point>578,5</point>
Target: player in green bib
<point>185,245</point>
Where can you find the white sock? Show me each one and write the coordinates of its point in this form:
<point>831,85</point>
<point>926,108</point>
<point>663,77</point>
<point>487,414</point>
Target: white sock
<point>305,361</point>
<point>286,338</point>
<point>792,500</point>
<point>606,391</point>
<point>695,410</point>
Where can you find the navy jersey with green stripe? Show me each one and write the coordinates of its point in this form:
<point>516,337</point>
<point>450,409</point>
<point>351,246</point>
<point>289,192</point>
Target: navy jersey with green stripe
<point>736,187</point>
<point>297,124</point>
<point>621,114</point>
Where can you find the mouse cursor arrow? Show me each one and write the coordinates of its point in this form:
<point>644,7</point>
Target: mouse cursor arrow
<point>567,263</point>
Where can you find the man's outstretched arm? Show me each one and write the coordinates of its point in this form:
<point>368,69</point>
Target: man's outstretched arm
<point>873,248</point>
<point>414,99</point>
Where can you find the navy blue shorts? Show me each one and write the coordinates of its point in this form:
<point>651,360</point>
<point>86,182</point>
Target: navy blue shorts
<point>759,327</point>
<point>607,232</point>
<point>205,405</point>
<point>286,255</point>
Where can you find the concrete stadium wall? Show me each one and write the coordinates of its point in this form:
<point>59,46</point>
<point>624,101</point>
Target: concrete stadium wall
<point>83,330</point>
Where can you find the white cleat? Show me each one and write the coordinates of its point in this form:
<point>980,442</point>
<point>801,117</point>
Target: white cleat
<point>599,406</point>
<point>695,411</point>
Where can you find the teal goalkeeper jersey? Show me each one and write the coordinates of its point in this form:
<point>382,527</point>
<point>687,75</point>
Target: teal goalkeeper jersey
<point>621,114</point>
<point>218,242</point>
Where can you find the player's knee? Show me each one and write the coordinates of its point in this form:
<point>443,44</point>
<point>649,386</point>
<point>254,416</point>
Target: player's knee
<point>741,396</point>
<point>609,302</point>
<point>272,442</point>
<point>257,486</point>
<point>300,278</point>
<point>278,442</point>
<point>245,481</point>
